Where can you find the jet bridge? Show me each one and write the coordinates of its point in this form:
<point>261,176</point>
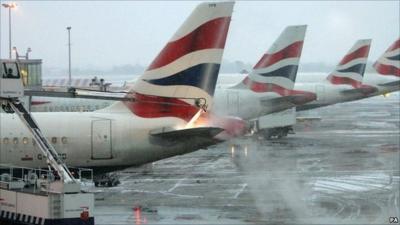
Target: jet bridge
<point>62,186</point>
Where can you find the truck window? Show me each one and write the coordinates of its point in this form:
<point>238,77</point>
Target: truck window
<point>11,71</point>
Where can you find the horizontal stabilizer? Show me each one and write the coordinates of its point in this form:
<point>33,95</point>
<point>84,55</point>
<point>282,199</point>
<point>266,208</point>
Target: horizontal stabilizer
<point>272,105</point>
<point>307,119</point>
<point>391,84</point>
<point>361,90</point>
<point>294,100</point>
<point>187,134</point>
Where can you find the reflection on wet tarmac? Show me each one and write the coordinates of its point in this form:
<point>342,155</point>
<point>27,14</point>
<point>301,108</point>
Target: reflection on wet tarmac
<point>343,169</point>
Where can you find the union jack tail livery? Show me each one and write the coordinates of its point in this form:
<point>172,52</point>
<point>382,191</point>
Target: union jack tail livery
<point>186,70</point>
<point>389,62</point>
<point>351,69</point>
<point>277,69</point>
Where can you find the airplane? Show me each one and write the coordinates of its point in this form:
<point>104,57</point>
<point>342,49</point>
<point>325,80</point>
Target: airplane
<point>173,92</point>
<point>266,97</point>
<point>267,90</point>
<point>344,83</point>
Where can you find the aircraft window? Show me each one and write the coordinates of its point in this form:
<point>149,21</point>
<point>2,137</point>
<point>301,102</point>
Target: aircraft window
<point>5,141</point>
<point>15,140</point>
<point>64,140</point>
<point>25,140</point>
<point>51,108</point>
<point>54,140</point>
<point>33,142</point>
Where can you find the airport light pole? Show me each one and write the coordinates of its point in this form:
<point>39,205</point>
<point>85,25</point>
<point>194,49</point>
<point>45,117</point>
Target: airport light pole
<point>69,56</point>
<point>9,6</point>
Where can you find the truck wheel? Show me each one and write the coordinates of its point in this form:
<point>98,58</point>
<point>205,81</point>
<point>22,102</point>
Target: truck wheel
<point>7,108</point>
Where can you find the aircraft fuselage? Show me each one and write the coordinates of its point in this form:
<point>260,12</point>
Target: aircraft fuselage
<point>91,139</point>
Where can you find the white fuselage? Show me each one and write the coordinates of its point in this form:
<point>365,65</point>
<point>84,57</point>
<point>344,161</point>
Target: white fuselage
<point>90,139</point>
<point>329,94</point>
<point>241,103</point>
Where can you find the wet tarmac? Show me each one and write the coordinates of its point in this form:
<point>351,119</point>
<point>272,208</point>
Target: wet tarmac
<point>343,169</point>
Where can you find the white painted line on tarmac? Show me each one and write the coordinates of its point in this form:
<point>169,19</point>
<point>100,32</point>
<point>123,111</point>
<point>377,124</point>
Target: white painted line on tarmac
<point>240,191</point>
<point>177,184</point>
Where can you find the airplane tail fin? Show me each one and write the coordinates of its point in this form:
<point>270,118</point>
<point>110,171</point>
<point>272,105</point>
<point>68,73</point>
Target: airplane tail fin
<point>351,68</point>
<point>277,69</point>
<point>389,62</point>
<point>186,69</point>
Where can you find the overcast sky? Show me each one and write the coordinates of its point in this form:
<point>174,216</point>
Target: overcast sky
<point>108,33</point>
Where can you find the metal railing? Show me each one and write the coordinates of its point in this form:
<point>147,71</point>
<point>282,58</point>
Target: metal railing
<point>34,180</point>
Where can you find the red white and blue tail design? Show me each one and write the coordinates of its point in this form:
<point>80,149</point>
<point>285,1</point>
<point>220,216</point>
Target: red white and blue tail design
<point>389,62</point>
<point>351,69</point>
<point>186,68</point>
<point>277,69</point>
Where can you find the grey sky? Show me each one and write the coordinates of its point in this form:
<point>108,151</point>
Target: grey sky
<point>108,33</point>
